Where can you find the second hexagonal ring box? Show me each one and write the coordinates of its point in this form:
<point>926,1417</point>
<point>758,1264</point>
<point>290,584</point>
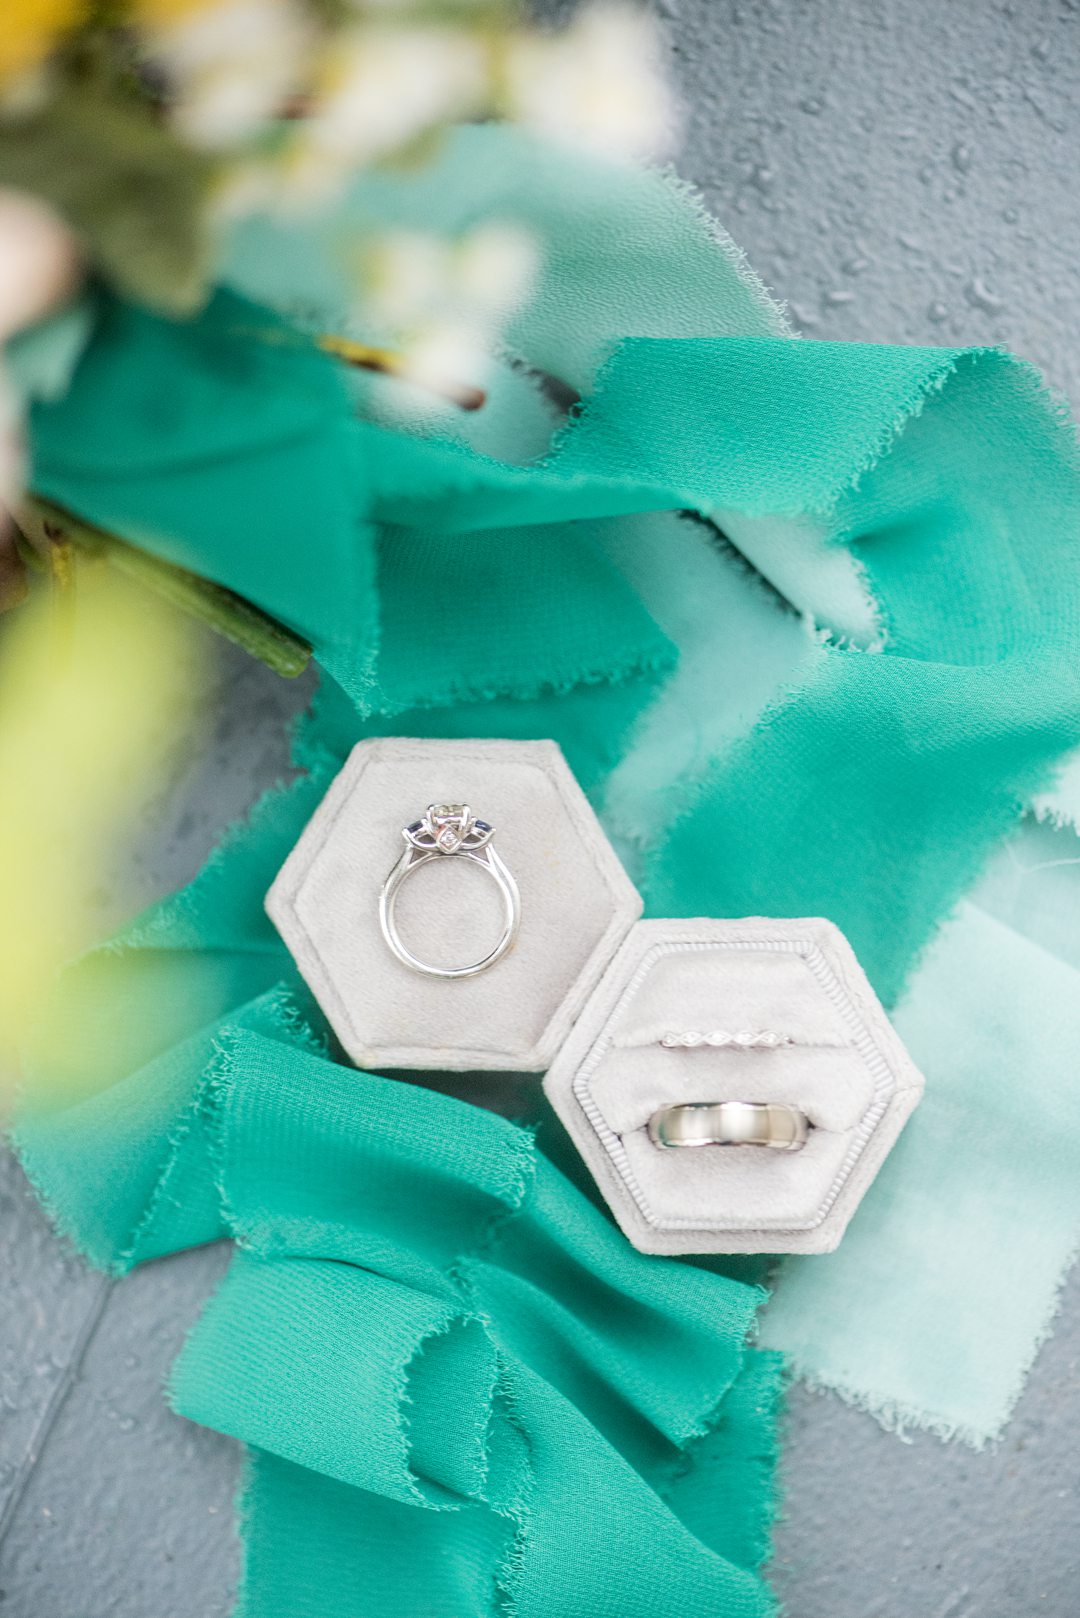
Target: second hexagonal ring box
<point>650,1032</point>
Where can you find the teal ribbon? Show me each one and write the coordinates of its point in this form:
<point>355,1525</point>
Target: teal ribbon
<point>462,1391</point>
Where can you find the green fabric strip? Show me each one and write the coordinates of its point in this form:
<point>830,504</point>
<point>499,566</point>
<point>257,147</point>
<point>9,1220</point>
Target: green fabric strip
<point>929,748</point>
<point>622,251</point>
<point>268,1366</point>
<point>424,1312</point>
<point>458,609</point>
<point>217,450</point>
<point>425,1319</point>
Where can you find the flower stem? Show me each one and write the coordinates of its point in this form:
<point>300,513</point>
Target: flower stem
<point>50,528</point>
<point>390,362</point>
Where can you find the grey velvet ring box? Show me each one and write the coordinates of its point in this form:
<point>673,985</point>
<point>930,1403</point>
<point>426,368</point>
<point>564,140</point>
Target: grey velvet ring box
<point>840,1063</point>
<point>587,992</point>
<point>577,905</point>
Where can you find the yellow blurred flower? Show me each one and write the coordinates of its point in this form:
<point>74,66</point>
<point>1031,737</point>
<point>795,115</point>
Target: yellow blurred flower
<point>30,29</point>
<point>157,12</point>
<point>92,690</point>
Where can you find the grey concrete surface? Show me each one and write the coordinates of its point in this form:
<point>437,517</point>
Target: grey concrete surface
<point>898,171</point>
<point>901,171</point>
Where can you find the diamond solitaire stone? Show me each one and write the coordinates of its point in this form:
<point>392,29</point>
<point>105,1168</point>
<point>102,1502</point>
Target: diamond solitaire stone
<point>449,828</point>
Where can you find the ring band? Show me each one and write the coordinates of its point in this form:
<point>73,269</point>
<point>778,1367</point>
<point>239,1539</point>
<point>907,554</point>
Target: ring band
<point>717,1039</point>
<point>448,831</point>
<point>730,1123</point>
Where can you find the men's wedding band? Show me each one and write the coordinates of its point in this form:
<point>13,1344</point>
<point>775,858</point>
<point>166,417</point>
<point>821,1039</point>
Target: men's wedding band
<point>772,1124</point>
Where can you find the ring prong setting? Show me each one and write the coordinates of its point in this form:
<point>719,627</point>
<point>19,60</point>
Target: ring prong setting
<point>448,828</point>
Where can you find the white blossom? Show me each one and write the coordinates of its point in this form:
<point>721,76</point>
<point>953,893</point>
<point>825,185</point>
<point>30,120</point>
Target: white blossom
<point>12,454</point>
<point>440,302</point>
<point>407,279</point>
<point>496,267</point>
<point>415,278</point>
<point>39,261</point>
<point>445,357</point>
<point>230,67</point>
<point>601,82</point>
<point>385,86</point>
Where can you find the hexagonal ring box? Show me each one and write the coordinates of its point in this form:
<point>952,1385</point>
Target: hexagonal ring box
<point>758,1010</point>
<point>629,1017</point>
<point>577,905</point>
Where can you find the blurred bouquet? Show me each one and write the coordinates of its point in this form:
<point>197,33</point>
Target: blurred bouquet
<point>136,137</point>
<point>148,123</point>
<point>134,134</point>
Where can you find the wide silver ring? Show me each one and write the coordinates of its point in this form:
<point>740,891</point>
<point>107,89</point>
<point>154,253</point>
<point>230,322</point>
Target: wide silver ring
<point>449,831</point>
<point>772,1124</point>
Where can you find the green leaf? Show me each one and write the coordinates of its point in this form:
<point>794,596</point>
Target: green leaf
<point>131,191</point>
